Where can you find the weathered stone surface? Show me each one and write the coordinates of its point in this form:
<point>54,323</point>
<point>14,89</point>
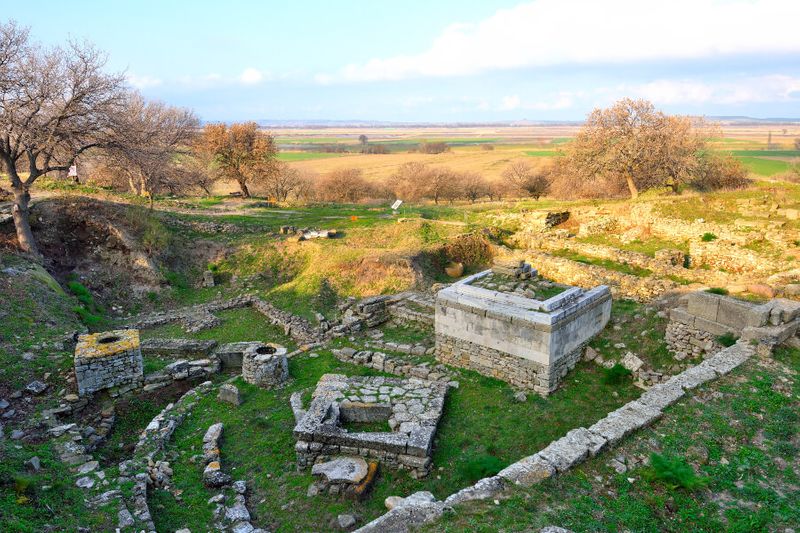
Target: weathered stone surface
<point>620,423</point>
<point>265,365</point>
<point>482,490</point>
<point>693,377</point>
<point>36,387</point>
<point>342,470</point>
<point>345,521</point>
<point>572,448</point>
<point>413,511</point>
<point>631,362</point>
<point>229,393</point>
<point>662,395</point>
<point>528,471</point>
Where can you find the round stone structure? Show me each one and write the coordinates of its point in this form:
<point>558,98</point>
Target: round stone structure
<point>265,365</point>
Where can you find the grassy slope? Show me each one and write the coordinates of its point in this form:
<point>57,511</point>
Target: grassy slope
<point>741,433</point>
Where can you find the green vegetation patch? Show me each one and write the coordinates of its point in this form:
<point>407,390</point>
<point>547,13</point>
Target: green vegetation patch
<point>765,167</point>
<point>604,263</point>
<point>723,461</point>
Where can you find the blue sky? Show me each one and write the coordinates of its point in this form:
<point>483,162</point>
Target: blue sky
<point>441,61</point>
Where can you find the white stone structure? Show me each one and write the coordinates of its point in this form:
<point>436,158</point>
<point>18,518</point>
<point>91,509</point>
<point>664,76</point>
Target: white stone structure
<point>529,343</point>
<point>112,359</point>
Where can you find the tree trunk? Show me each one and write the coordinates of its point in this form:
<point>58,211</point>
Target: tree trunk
<point>21,215</point>
<point>243,187</point>
<point>632,187</point>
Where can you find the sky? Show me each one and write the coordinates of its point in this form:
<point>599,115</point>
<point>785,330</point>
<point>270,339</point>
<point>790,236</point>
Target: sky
<point>439,60</point>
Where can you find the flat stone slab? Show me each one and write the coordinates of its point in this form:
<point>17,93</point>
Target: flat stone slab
<point>726,360</point>
<point>350,470</point>
<point>572,448</point>
<point>693,377</point>
<point>628,418</point>
<point>528,471</point>
<point>662,395</point>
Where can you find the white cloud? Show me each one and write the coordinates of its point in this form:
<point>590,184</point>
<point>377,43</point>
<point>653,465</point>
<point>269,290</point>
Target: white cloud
<point>251,76</point>
<point>562,100</point>
<point>553,32</point>
<point>143,82</point>
<point>772,88</point>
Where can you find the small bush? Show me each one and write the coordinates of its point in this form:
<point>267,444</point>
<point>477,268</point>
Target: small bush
<point>708,237</point>
<point>89,319</point>
<point>472,250</point>
<point>673,472</point>
<point>727,339</point>
<point>616,374</point>
<point>428,233</point>
<point>718,290</point>
<point>176,280</point>
<point>155,238</point>
<point>480,466</point>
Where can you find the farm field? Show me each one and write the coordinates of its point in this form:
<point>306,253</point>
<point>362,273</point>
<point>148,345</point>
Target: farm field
<point>469,153</point>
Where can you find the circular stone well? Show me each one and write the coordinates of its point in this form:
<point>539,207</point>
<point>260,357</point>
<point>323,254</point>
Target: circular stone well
<point>265,365</point>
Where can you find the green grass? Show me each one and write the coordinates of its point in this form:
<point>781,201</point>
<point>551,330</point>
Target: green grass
<point>648,246</point>
<point>34,502</point>
<point>481,419</point>
<point>604,263</point>
<point>542,153</point>
<point>640,329</point>
<point>245,324</point>
<point>742,440</point>
<point>305,156</point>
<point>765,167</point>
<point>766,153</point>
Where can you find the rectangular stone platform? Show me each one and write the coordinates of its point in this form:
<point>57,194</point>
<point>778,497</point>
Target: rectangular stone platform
<point>527,342</point>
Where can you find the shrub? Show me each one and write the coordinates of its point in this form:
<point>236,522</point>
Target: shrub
<point>434,148</point>
<point>480,466</point>
<point>673,472</point>
<point>716,172</point>
<point>155,237</point>
<point>718,290</point>
<point>470,249</point>
<point>616,374</point>
<point>708,237</point>
<point>727,339</point>
<point>176,279</point>
<point>428,233</point>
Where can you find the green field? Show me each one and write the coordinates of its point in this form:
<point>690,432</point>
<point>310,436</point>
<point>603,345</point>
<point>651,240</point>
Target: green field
<point>542,153</point>
<point>764,167</point>
<point>766,153</point>
<point>304,156</point>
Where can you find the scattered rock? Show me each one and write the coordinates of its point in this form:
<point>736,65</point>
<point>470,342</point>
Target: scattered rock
<point>632,362</point>
<point>85,468</point>
<point>346,521</point>
<point>36,387</point>
<point>34,464</point>
<point>124,519</point>
<point>230,394</point>
<point>3,404</point>
<point>392,501</point>
<point>520,397</point>
<point>85,482</point>
<point>761,289</point>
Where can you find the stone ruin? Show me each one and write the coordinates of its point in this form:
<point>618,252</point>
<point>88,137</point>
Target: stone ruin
<point>696,329</point>
<point>502,330</point>
<point>410,409</point>
<point>265,365</point>
<point>112,359</point>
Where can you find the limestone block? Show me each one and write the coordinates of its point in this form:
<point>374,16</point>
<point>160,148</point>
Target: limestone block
<point>528,471</point>
<point>703,304</point>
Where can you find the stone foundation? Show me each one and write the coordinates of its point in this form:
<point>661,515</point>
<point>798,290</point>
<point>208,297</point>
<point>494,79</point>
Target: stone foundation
<point>411,408</point>
<point>112,359</point>
<point>685,341</point>
<point>517,372</point>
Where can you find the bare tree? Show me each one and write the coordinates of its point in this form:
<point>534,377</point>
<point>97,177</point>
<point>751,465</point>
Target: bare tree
<point>523,178</point>
<point>346,185</point>
<point>241,152</point>
<point>362,139</point>
<point>440,183</point>
<point>55,104</point>
<point>281,183</point>
<point>148,140</point>
<point>409,181</point>
<point>473,186</point>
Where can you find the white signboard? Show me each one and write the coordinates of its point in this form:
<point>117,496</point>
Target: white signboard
<point>73,171</point>
<point>396,204</point>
